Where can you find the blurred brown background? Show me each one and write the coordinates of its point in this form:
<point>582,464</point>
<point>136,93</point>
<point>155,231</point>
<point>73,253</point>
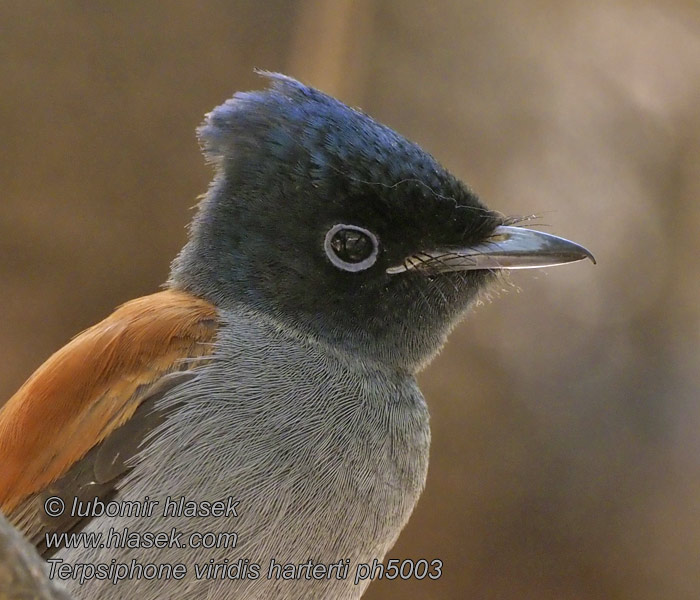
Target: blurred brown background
<point>566,417</point>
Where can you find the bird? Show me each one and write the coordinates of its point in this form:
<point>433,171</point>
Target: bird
<point>268,392</point>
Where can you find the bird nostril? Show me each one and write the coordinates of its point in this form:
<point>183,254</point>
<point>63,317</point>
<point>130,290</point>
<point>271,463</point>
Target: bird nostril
<point>499,237</point>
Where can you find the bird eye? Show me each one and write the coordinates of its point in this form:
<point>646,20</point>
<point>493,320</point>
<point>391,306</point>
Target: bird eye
<point>351,248</point>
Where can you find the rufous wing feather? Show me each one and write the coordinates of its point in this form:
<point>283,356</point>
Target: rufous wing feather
<point>94,385</point>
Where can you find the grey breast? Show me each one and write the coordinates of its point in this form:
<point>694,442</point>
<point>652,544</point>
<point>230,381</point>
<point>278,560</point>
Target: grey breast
<point>326,455</point>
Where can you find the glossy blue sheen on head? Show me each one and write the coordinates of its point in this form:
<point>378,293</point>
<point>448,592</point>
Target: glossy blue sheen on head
<point>292,162</point>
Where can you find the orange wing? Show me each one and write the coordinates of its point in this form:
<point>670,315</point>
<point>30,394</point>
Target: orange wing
<point>91,386</point>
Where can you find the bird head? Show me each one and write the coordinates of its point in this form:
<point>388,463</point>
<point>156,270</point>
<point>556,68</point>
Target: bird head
<point>339,228</point>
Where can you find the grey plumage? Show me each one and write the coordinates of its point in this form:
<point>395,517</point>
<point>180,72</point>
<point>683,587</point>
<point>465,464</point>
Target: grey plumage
<point>326,453</point>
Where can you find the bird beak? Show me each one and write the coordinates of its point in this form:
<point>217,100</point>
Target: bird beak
<point>506,248</point>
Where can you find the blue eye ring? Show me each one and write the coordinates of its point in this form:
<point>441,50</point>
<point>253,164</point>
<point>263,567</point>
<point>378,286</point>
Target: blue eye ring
<point>351,248</point>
